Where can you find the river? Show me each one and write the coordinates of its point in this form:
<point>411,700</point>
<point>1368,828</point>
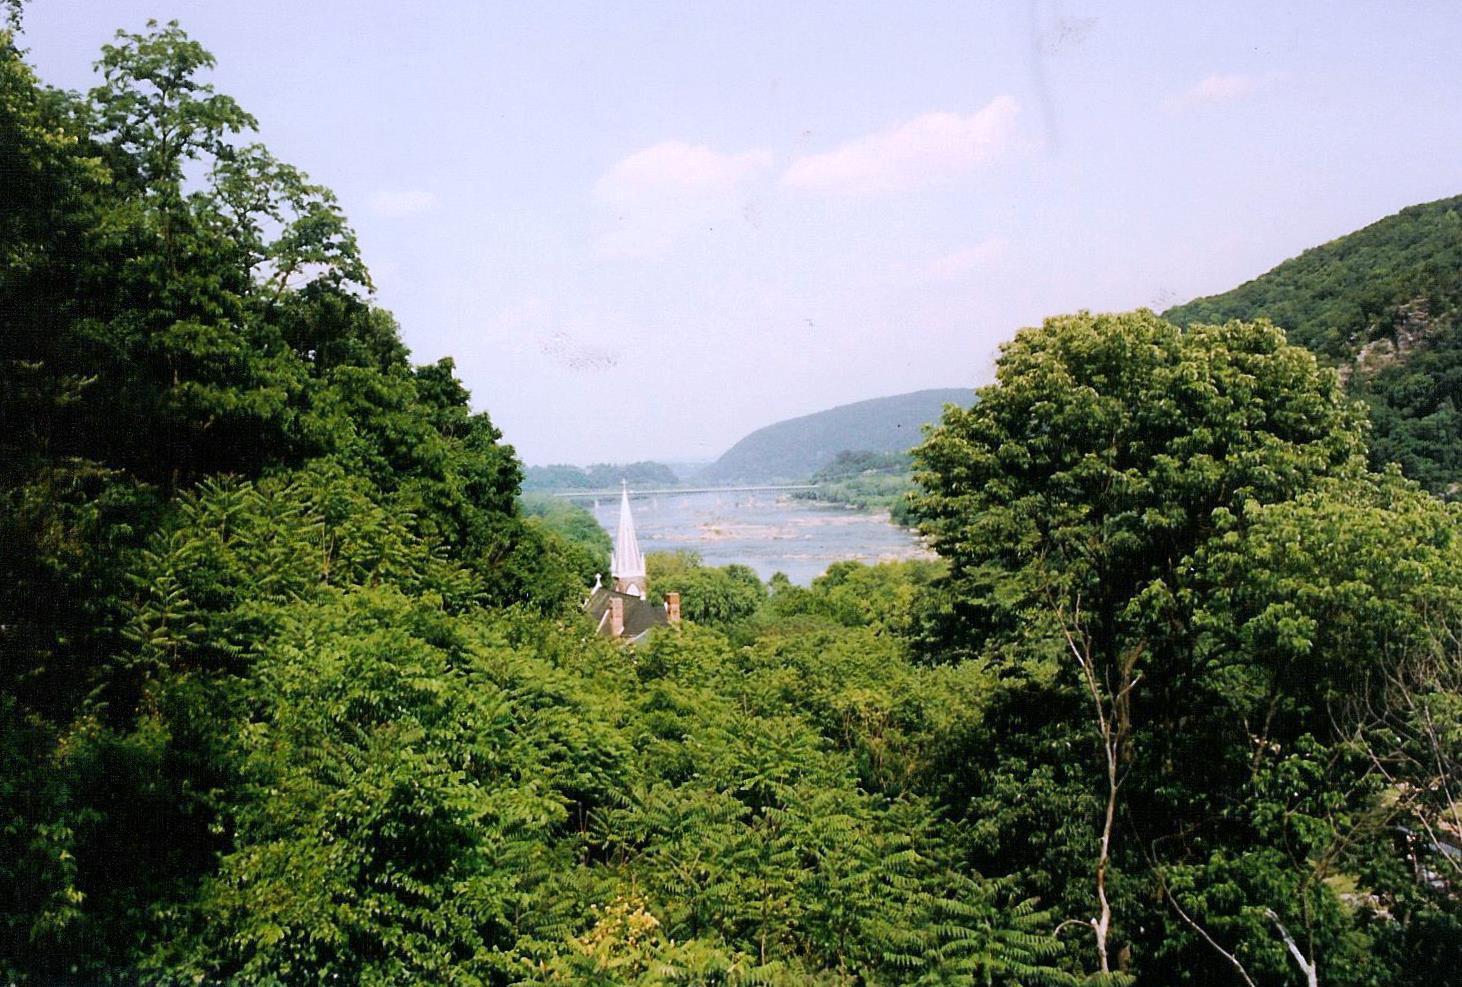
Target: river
<point>769,532</point>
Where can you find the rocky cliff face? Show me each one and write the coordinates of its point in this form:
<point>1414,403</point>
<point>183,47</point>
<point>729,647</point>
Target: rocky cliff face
<point>1411,330</point>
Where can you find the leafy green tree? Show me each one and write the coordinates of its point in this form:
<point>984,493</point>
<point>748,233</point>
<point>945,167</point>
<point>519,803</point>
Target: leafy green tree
<point>1328,667</point>
<point>1224,654</point>
<point>414,809</point>
<point>579,534</point>
<point>749,832</point>
<point>713,596</point>
<point>886,597</point>
<point>1072,497</point>
<point>851,462</point>
<point>627,945</point>
<point>177,307</point>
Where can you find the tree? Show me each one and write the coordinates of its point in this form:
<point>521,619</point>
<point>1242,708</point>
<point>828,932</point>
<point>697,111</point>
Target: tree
<point>421,783</point>
<point>1328,670</point>
<point>1070,499</point>
<point>715,596</point>
<point>178,307</point>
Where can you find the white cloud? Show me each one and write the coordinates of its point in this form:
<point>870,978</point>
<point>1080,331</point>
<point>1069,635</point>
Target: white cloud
<point>953,266</point>
<point>402,203</point>
<point>678,167</point>
<point>658,196</point>
<point>1217,88</point>
<point>930,147</point>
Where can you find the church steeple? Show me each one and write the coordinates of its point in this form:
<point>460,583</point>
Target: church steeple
<point>627,565</point>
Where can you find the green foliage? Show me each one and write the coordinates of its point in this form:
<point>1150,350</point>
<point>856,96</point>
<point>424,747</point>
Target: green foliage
<point>854,462</point>
<point>295,688</point>
<point>1097,461</point>
<point>572,521</point>
<point>299,693</point>
<point>867,481</point>
<point>422,777</point>
<point>626,945</point>
<point>579,537</point>
<point>1203,613</point>
<point>1338,296</point>
<point>715,597</point>
<point>1384,302</point>
<point>207,425</point>
<point>889,598</point>
<point>749,831</point>
<point>892,492</point>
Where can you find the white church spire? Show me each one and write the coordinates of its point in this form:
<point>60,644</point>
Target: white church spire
<point>627,565</point>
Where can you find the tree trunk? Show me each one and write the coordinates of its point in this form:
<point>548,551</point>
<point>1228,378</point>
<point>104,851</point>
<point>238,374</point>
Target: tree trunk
<point>1102,924</point>
<point>1113,714</point>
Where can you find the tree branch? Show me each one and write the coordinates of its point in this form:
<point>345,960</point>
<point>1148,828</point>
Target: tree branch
<point>1308,967</point>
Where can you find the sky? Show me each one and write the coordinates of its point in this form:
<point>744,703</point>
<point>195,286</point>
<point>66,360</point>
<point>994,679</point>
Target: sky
<point>645,229</point>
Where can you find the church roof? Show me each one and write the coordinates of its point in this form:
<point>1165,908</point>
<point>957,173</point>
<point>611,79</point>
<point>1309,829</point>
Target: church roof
<point>627,561</point>
<point>640,615</point>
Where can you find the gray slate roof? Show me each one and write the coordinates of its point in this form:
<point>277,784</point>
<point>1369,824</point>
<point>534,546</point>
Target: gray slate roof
<point>640,616</point>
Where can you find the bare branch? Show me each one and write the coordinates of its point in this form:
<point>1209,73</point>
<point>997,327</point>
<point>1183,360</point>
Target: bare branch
<point>1233,960</point>
<point>1307,966</point>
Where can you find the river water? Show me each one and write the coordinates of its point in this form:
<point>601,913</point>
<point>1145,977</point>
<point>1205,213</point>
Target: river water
<point>768,532</point>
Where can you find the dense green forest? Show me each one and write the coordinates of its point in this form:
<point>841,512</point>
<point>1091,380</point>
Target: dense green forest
<point>296,687</point>
<point>1385,304</point>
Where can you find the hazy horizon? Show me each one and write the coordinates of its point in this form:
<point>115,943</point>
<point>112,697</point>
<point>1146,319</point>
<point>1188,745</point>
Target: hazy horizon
<point>644,230</point>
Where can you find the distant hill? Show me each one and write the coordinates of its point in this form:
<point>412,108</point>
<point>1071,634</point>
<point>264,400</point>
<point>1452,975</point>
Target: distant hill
<point>1384,304</point>
<point>798,447</point>
<point>600,476</point>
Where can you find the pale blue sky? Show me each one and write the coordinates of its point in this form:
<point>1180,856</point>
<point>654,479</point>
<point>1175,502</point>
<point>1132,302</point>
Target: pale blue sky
<point>646,229</point>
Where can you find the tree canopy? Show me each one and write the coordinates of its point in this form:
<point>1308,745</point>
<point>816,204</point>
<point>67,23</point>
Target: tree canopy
<point>1165,546</point>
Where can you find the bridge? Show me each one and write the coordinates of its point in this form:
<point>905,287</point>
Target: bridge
<point>671,491</point>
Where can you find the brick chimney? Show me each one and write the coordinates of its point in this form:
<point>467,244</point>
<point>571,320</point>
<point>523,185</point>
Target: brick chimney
<point>616,617</point>
<point>672,608</point>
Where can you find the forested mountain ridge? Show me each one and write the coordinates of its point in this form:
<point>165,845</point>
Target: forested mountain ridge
<point>1385,305</point>
<point>797,448</point>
